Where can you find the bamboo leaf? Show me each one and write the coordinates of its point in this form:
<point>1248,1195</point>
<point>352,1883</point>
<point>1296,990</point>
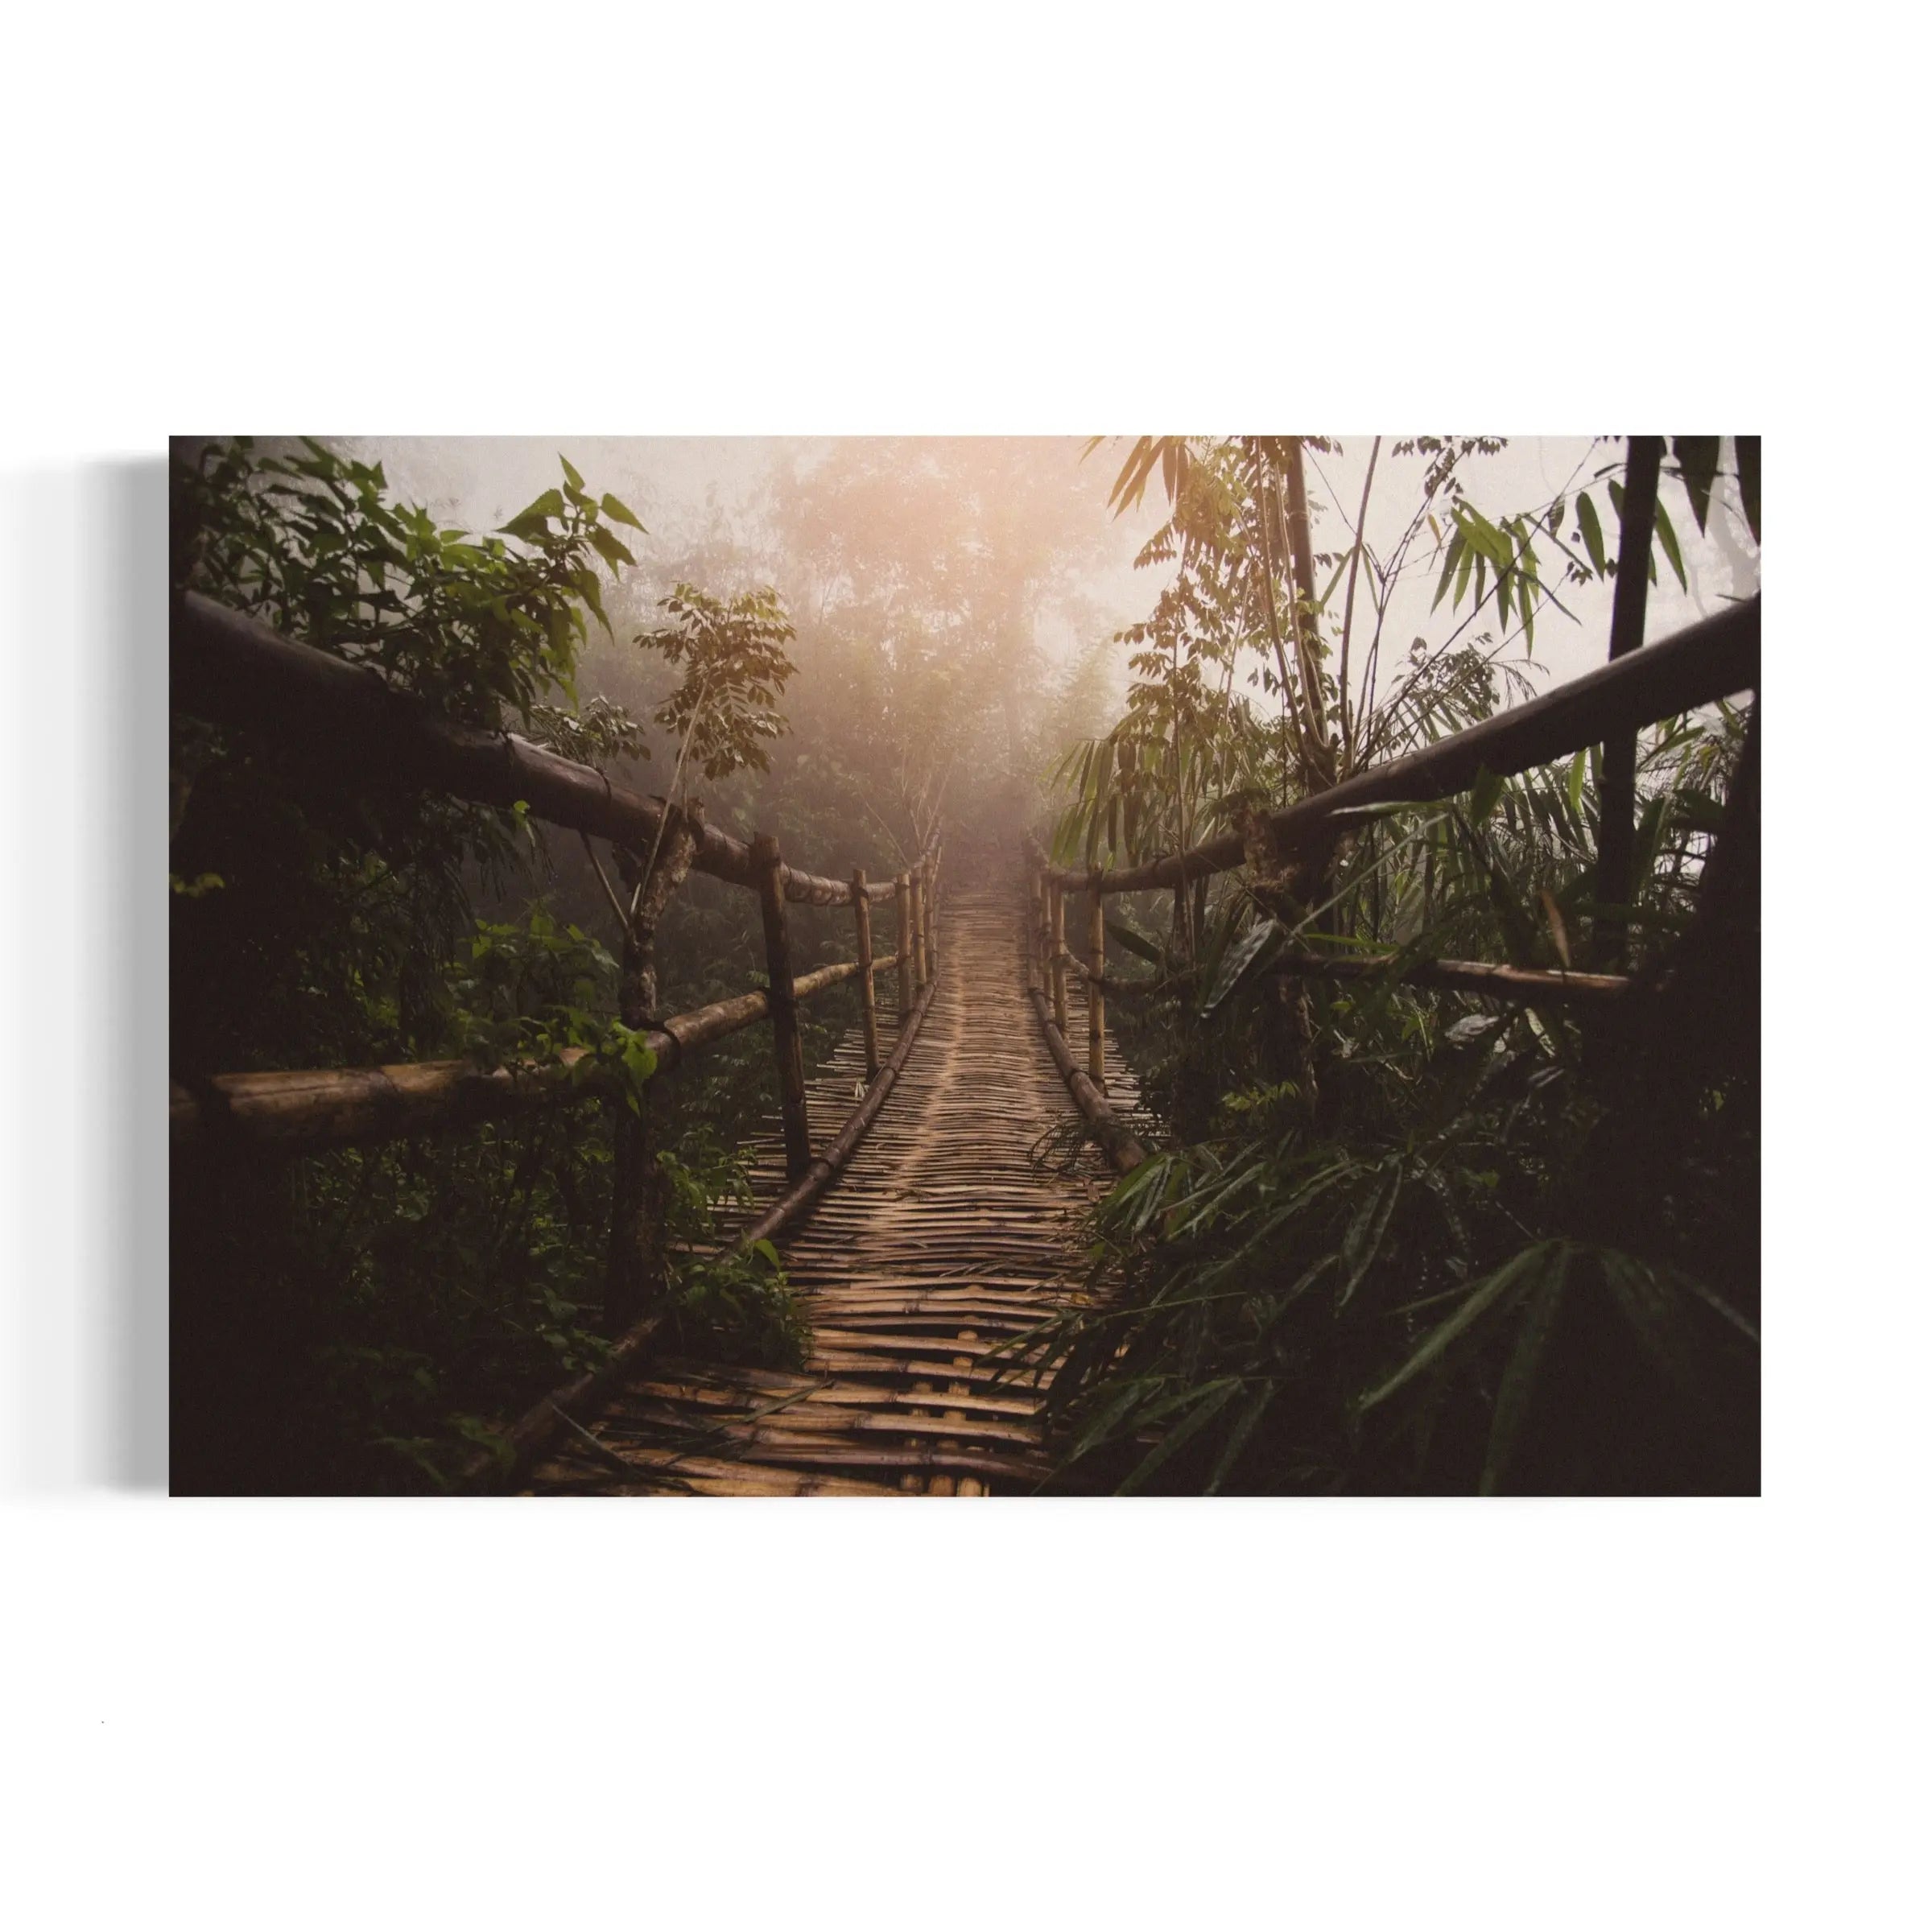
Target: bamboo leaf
<point>1667,537</point>
<point>1484,1296</point>
<point>1363,1242</point>
<point>1697,464</point>
<point>1238,1435</point>
<point>1210,1401</point>
<point>1750,452</point>
<point>1513,1393</point>
<point>1260,943</point>
<point>1593,534</point>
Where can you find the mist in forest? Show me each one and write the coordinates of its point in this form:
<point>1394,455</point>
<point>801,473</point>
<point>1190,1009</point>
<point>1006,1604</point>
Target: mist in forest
<point>957,603</point>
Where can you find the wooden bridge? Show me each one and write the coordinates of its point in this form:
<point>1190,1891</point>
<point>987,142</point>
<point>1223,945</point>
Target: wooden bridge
<point>945,1239</point>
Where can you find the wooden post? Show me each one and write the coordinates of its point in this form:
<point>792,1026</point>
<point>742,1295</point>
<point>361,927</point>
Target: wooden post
<point>1056,941</point>
<point>862,915</point>
<point>901,896</point>
<point>1043,927</point>
<point>932,916</point>
<point>918,925</point>
<point>1097,1000</point>
<point>1617,795</point>
<point>768,870</point>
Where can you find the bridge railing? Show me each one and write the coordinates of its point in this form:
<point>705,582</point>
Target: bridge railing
<point>229,668</point>
<point>1713,659</point>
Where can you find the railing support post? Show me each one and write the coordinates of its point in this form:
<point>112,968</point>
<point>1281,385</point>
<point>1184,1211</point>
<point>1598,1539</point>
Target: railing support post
<point>901,900</point>
<point>1616,796</point>
<point>862,917</point>
<point>1036,928</point>
<point>918,925</point>
<point>932,915</point>
<point>1097,1000</point>
<point>768,869</point>
<point>1056,941</point>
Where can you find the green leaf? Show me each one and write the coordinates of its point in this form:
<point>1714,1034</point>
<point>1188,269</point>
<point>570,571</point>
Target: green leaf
<point>1577,765</point>
<point>1364,1240</point>
<point>1667,537</point>
<point>1260,942</point>
<point>1142,948</point>
<point>532,524</point>
<point>610,550</point>
<point>569,470</point>
<point>1593,534</point>
<point>1750,452</point>
<point>617,514</point>
<point>1697,463</point>
<point>1208,1403</point>
<point>1238,1435</point>
<point>1480,1300</point>
<point>1513,1392</point>
<point>1451,558</point>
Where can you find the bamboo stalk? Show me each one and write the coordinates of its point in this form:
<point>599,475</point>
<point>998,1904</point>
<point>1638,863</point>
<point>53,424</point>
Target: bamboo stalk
<point>932,915</point>
<point>902,888</point>
<point>918,925</point>
<point>785,1043</point>
<point>1056,953</point>
<point>1036,927</point>
<point>1096,995</point>
<point>1616,795</point>
<point>1520,982</point>
<point>861,915</point>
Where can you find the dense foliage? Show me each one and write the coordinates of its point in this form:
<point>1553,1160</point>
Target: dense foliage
<point>356,1320</point>
<point>362,1319</point>
<point>1396,1239</point>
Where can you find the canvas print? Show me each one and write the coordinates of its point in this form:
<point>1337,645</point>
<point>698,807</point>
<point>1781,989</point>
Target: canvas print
<point>1013,966</point>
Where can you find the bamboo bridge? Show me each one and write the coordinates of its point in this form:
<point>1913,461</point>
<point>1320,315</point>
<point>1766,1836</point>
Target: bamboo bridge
<point>925,1235</point>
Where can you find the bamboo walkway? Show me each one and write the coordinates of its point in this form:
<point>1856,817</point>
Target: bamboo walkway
<point>946,1235</point>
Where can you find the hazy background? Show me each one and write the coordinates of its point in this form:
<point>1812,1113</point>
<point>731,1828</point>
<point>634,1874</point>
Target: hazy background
<point>714,496</point>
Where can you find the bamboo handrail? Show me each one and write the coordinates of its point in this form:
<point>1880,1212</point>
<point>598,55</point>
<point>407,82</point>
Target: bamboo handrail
<point>1714,659</point>
<point>232,669</point>
<point>310,1110</point>
<point>1524,983</point>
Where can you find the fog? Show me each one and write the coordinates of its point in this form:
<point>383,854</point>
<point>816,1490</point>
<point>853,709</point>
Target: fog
<point>957,599</point>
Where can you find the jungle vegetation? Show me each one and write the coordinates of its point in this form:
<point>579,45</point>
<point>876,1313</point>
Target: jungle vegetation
<point>1390,1239</point>
<point>1397,1240</point>
<point>356,1321</point>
